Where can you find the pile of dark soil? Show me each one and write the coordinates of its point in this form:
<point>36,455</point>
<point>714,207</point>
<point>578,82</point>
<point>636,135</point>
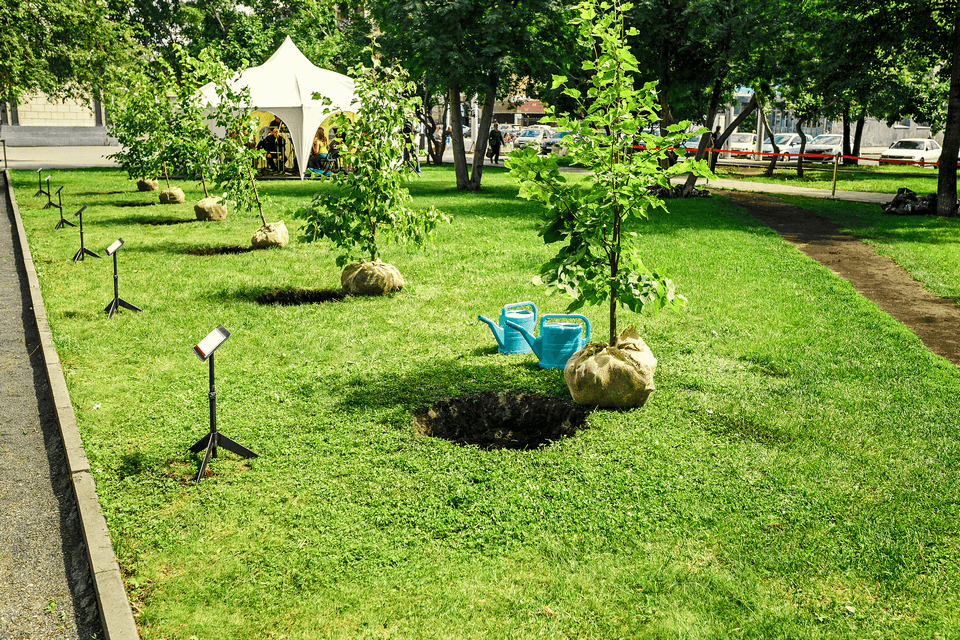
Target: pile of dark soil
<point>502,420</point>
<point>293,297</point>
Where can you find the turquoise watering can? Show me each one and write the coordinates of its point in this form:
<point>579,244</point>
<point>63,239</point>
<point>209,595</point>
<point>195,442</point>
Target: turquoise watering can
<point>509,340</point>
<point>558,340</point>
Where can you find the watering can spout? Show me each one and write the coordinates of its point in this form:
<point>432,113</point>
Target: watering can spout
<point>534,343</point>
<point>497,331</point>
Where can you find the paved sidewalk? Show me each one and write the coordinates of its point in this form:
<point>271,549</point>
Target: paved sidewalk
<point>34,158</point>
<point>46,590</point>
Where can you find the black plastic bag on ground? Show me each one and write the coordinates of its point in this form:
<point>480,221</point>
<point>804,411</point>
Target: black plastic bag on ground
<point>907,203</point>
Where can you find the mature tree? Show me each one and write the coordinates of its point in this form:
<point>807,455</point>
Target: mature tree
<point>329,34</point>
<point>466,47</point>
<point>63,48</point>
<point>908,35</point>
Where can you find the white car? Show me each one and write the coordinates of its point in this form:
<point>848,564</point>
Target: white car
<point>742,145</point>
<point>532,137</point>
<point>784,141</point>
<point>919,150</point>
<point>827,144</point>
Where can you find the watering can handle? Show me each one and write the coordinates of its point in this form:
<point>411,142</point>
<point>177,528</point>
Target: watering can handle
<point>561,316</point>
<point>514,305</point>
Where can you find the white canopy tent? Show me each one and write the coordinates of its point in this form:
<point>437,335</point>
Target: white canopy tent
<point>284,86</point>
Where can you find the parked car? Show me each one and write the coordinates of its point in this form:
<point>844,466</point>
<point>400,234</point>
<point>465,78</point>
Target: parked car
<point>531,136</point>
<point>552,142</point>
<point>827,144</point>
<point>785,141</point>
<point>921,150</point>
<point>691,144</point>
<point>741,145</point>
<point>508,131</point>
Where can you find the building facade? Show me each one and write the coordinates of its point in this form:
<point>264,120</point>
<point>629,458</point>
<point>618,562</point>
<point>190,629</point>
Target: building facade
<point>36,121</point>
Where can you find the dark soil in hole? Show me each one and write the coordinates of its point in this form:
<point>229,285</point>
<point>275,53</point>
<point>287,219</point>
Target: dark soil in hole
<point>136,204</point>
<point>163,223</point>
<point>293,297</point>
<point>502,420</point>
<point>218,251</point>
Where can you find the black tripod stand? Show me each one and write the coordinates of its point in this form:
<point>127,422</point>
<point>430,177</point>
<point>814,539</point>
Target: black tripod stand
<point>215,439</point>
<point>116,303</point>
<point>83,250</point>
<point>40,182</point>
<point>59,207</point>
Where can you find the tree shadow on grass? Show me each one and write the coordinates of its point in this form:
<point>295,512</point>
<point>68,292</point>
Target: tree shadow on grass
<point>416,388</point>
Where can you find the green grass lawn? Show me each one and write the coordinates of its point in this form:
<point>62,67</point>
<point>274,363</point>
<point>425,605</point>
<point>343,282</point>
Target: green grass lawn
<point>877,179</point>
<point>793,476</point>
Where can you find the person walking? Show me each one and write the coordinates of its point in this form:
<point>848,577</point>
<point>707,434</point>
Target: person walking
<point>496,140</point>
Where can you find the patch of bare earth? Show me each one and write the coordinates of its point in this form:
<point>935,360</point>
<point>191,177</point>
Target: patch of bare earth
<point>935,320</point>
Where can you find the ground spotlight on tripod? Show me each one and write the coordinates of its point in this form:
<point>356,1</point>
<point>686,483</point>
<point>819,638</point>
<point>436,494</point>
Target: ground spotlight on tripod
<point>116,303</point>
<point>214,439</point>
<point>40,182</point>
<point>49,201</point>
<point>59,207</point>
<point>83,250</point>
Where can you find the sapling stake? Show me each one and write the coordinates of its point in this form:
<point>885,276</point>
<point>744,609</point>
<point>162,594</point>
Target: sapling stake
<point>256,194</point>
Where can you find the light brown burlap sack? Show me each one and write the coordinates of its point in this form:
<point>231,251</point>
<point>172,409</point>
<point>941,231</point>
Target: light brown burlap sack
<point>617,376</point>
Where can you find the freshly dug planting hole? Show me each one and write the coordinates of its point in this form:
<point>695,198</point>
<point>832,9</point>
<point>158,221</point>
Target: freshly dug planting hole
<point>502,420</point>
<point>163,223</point>
<point>136,204</point>
<point>218,251</point>
<point>293,297</point>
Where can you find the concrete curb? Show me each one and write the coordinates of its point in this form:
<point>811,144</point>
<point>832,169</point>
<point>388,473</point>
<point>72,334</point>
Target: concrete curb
<point>116,616</point>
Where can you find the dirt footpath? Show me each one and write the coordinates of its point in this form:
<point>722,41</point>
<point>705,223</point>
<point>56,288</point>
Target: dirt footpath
<point>935,320</point>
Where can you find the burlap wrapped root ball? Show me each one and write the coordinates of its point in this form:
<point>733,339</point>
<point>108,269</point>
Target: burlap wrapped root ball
<point>619,376</point>
<point>370,278</point>
<point>211,208</point>
<point>172,195</point>
<point>146,184</point>
<point>272,234</point>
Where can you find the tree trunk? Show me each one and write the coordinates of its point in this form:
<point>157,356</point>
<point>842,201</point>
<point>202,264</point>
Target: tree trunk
<point>747,110</point>
<point>803,146</point>
<point>665,121</point>
<point>434,140</point>
<point>858,138</point>
<point>773,144</point>
<point>947,174</point>
<point>845,149</point>
<point>707,138</point>
<point>456,138</point>
<point>483,135</point>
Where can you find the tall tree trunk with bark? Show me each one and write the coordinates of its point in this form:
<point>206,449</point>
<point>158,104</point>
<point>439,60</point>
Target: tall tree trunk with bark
<point>719,142</point>
<point>845,149</point>
<point>773,145</point>
<point>947,174</point>
<point>456,139</point>
<point>707,138</point>
<point>483,134</point>
<point>803,146</point>
<point>858,138</point>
